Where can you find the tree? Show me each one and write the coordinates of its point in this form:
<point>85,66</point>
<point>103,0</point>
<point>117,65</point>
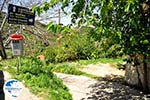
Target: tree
<point>128,20</point>
<point>114,16</point>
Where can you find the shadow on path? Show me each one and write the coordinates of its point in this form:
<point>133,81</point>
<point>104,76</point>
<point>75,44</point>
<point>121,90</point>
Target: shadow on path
<point>113,87</point>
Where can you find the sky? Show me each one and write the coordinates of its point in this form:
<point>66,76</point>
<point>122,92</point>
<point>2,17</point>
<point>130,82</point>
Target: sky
<point>52,15</point>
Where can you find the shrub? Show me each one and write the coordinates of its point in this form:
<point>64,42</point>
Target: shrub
<point>50,54</point>
<point>32,66</point>
<point>71,47</point>
<point>39,77</point>
<point>84,44</point>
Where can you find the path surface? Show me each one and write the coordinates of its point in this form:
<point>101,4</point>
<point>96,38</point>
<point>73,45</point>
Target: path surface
<point>110,87</point>
<point>102,70</point>
<point>25,95</point>
<point>78,85</point>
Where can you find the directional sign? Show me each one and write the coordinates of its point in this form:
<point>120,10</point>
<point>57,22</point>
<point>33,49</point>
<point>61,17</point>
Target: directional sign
<point>20,15</point>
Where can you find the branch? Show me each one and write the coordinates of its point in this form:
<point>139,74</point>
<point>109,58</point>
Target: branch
<point>2,6</point>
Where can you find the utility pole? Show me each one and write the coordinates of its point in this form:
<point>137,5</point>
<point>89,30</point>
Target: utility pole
<point>59,16</point>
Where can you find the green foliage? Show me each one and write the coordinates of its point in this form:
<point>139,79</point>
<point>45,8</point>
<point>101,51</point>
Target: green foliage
<point>68,69</point>
<point>33,66</point>
<point>71,68</point>
<point>50,54</point>
<point>125,19</point>
<point>55,28</point>
<point>74,68</point>
<point>71,47</point>
<point>38,76</point>
<point>45,7</point>
<point>113,61</point>
<point>82,44</point>
<point>112,28</point>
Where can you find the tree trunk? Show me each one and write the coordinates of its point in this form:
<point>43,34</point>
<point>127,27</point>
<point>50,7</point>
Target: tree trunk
<point>2,49</point>
<point>145,84</point>
<point>137,72</point>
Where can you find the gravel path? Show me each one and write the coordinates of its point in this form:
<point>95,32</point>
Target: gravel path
<point>110,87</point>
<point>25,95</point>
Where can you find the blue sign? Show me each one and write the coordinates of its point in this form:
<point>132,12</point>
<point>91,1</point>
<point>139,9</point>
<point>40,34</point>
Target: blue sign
<point>13,88</point>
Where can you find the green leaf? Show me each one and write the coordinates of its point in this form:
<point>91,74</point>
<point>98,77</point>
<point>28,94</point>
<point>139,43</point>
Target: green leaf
<point>50,25</point>
<point>38,9</point>
<point>127,7</point>
<point>46,6</point>
<point>144,42</point>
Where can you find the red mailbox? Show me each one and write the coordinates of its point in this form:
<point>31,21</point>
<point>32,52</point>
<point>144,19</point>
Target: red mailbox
<point>17,44</point>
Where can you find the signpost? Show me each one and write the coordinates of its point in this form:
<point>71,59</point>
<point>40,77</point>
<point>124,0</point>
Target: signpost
<point>20,15</point>
<point>17,47</point>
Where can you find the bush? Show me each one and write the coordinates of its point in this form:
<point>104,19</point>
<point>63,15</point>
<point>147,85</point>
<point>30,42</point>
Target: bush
<point>50,53</point>
<point>32,66</point>
<point>82,45</point>
<point>71,47</point>
<point>39,77</point>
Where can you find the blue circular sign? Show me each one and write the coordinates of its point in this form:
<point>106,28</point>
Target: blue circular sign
<point>13,88</point>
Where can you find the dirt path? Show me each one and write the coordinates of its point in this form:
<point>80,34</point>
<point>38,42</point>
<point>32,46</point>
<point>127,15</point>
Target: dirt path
<point>110,87</point>
<point>78,85</point>
<point>103,70</point>
<point>25,95</point>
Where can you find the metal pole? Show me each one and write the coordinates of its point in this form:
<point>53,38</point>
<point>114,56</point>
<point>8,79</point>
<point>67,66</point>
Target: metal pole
<point>20,30</point>
<point>18,65</point>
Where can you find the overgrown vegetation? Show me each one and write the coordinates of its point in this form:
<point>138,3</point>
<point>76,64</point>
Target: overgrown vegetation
<point>81,45</point>
<point>119,27</point>
<point>40,79</point>
<point>71,68</point>
<point>105,29</point>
